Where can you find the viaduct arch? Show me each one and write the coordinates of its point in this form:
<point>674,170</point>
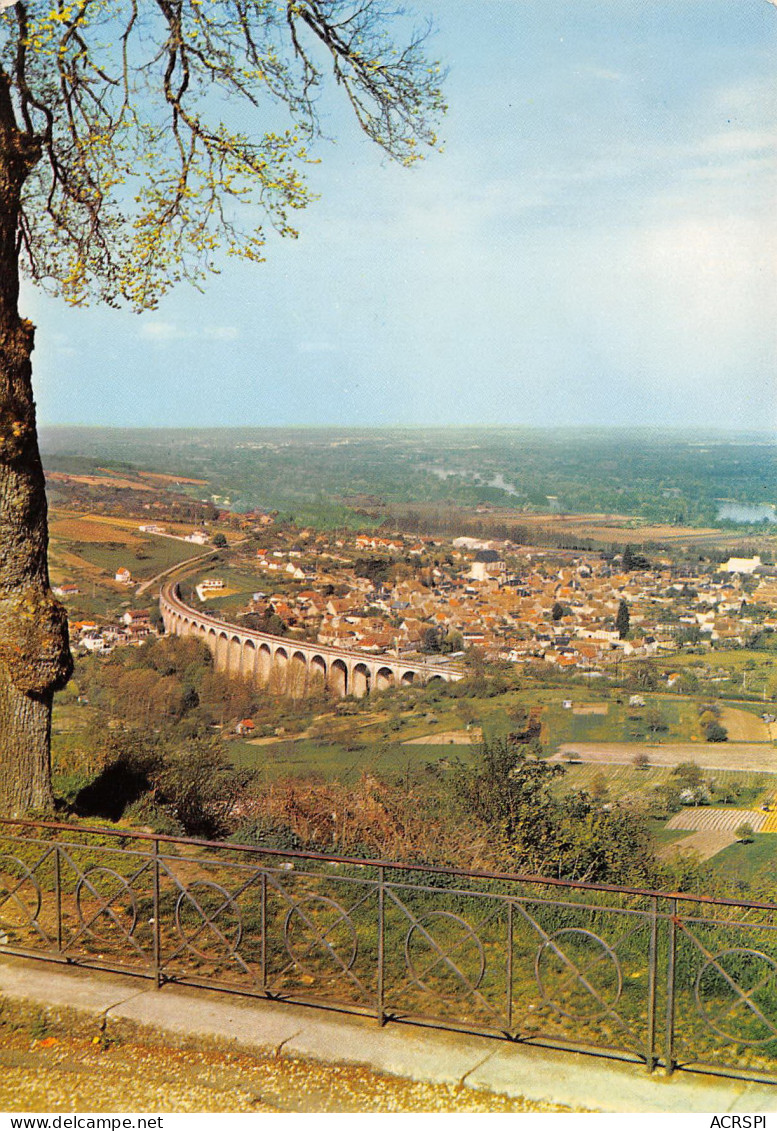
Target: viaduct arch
<point>293,667</point>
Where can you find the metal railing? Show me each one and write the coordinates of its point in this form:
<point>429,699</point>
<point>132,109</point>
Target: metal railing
<point>656,978</point>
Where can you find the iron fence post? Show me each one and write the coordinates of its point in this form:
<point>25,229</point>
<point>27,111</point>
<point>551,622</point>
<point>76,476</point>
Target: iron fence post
<point>509,970</point>
<point>381,933</point>
<point>264,931</point>
<point>58,896</point>
<point>157,924</point>
<point>652,979</point>
<point>670,989</point>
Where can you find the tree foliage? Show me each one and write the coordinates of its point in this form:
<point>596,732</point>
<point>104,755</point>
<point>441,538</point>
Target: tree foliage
<point>164,684</point>
<point>643,675</point>
<point>573,836</point>
<point>631,560</point>
<point>688,774</point>
<point>431,640</point>
<point>376,570</point>
<point>509,790</point>
<point>147,128</point>
<point>622,619</point>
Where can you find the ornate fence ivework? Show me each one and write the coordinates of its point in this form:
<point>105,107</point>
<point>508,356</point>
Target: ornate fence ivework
<point>658,979</point>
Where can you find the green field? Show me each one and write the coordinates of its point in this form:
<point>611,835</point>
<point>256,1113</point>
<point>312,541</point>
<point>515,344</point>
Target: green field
<point>662,836</point>
<point>740,862</point>
<point>733,673</point>
<point>69,718</point>
<point>244,582</point>
<point>323,474</point>
<point>158,555</point>
<point>677,716</point>
<point>92,566</point>
<point>306,758</point>
<point>366,752</point>
<point>375,733</point>
<point>670,718</point>
<point>729,659</point>
<point>620,780</point>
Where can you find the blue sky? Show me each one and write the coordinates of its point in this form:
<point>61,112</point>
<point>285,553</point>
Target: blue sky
<point>596,244</point>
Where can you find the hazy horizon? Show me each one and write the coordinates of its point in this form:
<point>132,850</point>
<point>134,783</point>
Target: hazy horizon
<point>670,431</point>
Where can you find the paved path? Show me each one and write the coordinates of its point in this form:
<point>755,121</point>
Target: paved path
<point>119,1005</point>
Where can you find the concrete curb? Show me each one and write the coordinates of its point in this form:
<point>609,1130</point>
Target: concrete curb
<point>176,1015</point>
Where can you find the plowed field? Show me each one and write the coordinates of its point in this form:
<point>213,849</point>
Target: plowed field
<point>717,820</point>
<point>744,726</point>
<point>704,844</point>
<point>93,530</point>
<point>708,755</point>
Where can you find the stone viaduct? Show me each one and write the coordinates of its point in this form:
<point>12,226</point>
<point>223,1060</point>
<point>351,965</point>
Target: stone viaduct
<point>294,667</point>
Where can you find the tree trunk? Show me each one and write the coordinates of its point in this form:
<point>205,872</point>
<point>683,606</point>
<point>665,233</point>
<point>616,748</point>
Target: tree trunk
<point>34,653</point>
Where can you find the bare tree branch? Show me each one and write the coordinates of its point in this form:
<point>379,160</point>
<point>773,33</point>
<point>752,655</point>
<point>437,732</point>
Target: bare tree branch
<point>169,130</point>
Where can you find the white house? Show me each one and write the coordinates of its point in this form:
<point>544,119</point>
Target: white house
<point>208,587</point>
<point>741,565</point>
<point>94,644</point>
<point>65,590</point>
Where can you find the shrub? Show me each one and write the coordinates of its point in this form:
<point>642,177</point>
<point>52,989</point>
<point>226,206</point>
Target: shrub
<point>666,800</point>
<point>599,787</point>
<point>688,773</point>
<point>201,787</point>
<point>695,795</point>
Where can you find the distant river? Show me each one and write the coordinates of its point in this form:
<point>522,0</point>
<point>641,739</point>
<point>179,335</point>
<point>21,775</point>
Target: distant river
<point>747,512</point>
<point>498,480</point>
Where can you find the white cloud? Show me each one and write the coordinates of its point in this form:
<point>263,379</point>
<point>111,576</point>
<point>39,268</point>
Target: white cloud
<point>602,73</point>
<point>161,332</point>
<point>732,142</point>
<point>742,97</point>
<point>689,303</point>
<point>61,345</point>
<point>723,269</point>
<point>316,347</point>
<point>734,148</point>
